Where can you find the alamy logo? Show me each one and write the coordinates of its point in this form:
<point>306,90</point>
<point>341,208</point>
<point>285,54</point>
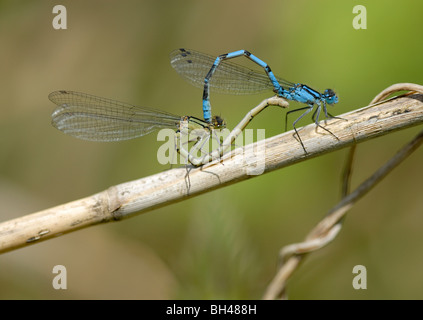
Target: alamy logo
<point>204,146</point>
<point>360,280</point>
<point>60,20</point>
<point>360,20</point>
<point>60,281</point>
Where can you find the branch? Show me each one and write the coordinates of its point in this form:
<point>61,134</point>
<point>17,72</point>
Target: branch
<point>139,196</point>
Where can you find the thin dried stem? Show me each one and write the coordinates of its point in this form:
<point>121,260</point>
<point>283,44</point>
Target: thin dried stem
<point>143,195</point>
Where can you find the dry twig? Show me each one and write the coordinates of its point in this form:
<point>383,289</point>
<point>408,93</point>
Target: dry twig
<point>139,196</point>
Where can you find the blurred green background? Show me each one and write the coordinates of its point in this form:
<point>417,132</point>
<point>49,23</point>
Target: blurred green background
<point>223,244</point>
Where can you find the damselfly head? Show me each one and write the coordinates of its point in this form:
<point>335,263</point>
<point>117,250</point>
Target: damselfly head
<point>330,96</point>
<point>218,122</point>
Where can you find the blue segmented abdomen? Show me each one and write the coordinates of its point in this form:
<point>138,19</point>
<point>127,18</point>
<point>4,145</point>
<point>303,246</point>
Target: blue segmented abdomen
<point>207,110</point>
<point>228,77</point>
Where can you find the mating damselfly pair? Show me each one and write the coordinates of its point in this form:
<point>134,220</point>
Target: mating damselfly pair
<point>99,119</point>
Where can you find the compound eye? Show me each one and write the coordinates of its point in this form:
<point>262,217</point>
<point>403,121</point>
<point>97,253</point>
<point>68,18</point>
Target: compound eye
<point>329,93</point>
<point>218,122</point>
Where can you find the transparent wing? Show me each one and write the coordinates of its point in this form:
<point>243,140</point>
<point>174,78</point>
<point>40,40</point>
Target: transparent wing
<point>93,118</point>
<point>229,77</point>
